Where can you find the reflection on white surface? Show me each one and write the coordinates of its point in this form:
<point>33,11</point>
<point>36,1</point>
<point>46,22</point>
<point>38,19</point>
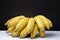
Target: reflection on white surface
<point>50,35</point>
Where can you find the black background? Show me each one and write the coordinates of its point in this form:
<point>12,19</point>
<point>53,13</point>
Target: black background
<point>49,8</point>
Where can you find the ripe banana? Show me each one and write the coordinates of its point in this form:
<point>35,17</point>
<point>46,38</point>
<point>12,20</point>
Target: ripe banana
<point>15,22</point>
<point>11,29</point>
<point>28,29</point>
<point>15,33</point>
<point>34,32</point>
<point>21,24</point>
<point>40,26</point>
<point>50,22</point>
<point>45,21</point>
<point>39,23</point>
<point>13,19</point>
<point>42,33</point>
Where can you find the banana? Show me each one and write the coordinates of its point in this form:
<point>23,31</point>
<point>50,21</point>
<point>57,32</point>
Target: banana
<point>34,32</point>
<point>39,23</point>
<point>28,29</point>
<point>40,26</point>
<point>42,33</point>
<point>15,22</point>
<point>21,24</point>
<point>15,33</point>
<point>45,21</point>
<point>10,29</point>
<point>13,19</point>
<point>50,22</point>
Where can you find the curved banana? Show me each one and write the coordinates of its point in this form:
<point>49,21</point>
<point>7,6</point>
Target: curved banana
<point>13,19</point>
<point>21,24</point>
<point>42,33</point>
<point>28,29</point>
<point>34,32</point>
<point>50,22</point>
<point>45,21</point>
<point>40,26</point>
<point>11,29</point>
<point>15,22</point>
<point>15,33</point>
<point>39,23</point>
<point>12,25</point>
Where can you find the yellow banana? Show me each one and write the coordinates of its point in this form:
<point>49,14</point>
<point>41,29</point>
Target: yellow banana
<point>40,26</point>
<point>10,29</point>
<point>39,23</point>
<point>34,32</point>
<point>42,33</point>
<point>15,33</point>
<point>28,29</point>
<point>13,19</point>
<point>15,22</point>
<point>50,22</point>
<point>21,24</point>
<point>45,21</point>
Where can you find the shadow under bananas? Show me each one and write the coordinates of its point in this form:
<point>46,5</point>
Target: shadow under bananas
<point>50,35</point>
<point>47,35</point>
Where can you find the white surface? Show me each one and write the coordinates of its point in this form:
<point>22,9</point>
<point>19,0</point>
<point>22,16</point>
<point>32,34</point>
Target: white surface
<point>50,35</point>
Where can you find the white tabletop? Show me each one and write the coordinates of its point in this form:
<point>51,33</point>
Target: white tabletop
<point>50,35</point>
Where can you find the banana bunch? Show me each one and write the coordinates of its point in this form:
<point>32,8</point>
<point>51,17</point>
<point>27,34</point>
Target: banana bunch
<point>22,26</point>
